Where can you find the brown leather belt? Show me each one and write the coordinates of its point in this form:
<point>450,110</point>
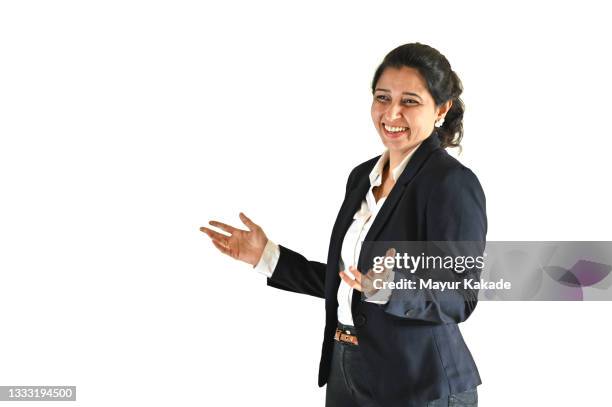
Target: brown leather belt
<point>344,337</point>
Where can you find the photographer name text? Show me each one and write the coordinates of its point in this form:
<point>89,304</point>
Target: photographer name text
<point>430,284</point>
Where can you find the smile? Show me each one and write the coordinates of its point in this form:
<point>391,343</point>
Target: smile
<point>395,132</point>
<point>394,129</point>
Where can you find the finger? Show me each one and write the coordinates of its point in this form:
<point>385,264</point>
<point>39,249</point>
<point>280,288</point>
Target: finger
<point>248,222</point>
<point>224,241</point>
<point>216,235</point>
<point>352,283</point>
<point>349,273</point>
<point>213,234</point>
<point>223,226</point>
<point>390,253</point>
<point>221,247</point>
<point>354,271</point>
<point>219,237</point>
<point>380,274</point>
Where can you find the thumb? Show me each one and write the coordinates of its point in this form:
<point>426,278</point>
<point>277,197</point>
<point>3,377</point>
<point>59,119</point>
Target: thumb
<point>248,222</point>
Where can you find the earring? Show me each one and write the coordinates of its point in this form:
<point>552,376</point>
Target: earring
<point>439,122</point>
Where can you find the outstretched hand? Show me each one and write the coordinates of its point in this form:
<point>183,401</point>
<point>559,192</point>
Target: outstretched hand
<point>245,245</point>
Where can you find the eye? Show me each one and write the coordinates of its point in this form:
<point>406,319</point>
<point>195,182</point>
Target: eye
<point>385,98</point>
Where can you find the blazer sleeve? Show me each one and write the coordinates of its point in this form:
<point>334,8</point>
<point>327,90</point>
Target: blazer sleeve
<point>295,273</point>
<point>456,212</point>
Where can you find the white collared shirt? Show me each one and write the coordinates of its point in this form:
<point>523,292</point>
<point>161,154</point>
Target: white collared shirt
<point>353,239</point>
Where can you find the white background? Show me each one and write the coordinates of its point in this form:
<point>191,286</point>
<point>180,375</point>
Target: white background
<point>126,125</point>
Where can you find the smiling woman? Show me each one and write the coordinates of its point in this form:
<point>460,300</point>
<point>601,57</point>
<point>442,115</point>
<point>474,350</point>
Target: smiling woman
<point>412,90</point>
<point>385,352</point>
<point>403,111</point>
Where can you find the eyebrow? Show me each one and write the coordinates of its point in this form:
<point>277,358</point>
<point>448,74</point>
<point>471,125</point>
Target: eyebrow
<point>403,93</point>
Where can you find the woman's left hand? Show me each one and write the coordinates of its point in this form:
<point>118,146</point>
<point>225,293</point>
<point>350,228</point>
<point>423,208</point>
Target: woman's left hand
<point>356,283</point>
<point>365,282</point>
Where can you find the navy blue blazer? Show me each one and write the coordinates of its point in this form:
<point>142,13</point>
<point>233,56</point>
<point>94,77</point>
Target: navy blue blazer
<point>413,355</point>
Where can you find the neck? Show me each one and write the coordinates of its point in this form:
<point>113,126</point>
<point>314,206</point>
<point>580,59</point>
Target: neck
<point>396,157</point>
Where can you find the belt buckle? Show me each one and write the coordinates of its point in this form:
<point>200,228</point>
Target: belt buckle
<point>345,332</point>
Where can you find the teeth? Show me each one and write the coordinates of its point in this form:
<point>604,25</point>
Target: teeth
<point>395,129</point>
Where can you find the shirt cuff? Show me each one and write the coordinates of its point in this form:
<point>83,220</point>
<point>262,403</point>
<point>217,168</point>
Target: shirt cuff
<point>268,260</point>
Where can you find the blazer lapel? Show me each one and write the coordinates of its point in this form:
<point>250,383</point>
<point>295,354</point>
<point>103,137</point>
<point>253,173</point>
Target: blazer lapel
<point>344,220</point>
<point>345,217</point>
<point>429,145</point>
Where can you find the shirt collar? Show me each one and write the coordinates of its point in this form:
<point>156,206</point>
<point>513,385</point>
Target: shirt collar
<point>376,173</point>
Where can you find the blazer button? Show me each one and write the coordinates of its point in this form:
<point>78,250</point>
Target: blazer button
<point>409,313</point>
<point>360,320</point>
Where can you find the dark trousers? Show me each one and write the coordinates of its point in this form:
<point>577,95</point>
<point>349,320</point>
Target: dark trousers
<point>348,383</point>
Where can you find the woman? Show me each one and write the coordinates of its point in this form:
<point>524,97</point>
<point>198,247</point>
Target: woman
<point>390,353</point>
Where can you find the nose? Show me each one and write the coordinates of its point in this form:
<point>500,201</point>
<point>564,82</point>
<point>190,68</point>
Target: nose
<point>393,112</point>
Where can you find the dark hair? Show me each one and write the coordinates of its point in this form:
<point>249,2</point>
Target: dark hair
<point>442,82</point>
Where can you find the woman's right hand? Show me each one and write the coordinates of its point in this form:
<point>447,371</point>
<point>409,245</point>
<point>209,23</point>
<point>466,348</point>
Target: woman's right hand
<point>244,245</point>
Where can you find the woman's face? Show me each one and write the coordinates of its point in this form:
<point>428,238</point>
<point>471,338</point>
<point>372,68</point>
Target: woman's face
<point>403,110</point>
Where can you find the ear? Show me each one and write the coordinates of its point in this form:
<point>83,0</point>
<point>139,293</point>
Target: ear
<point>443,109</point>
